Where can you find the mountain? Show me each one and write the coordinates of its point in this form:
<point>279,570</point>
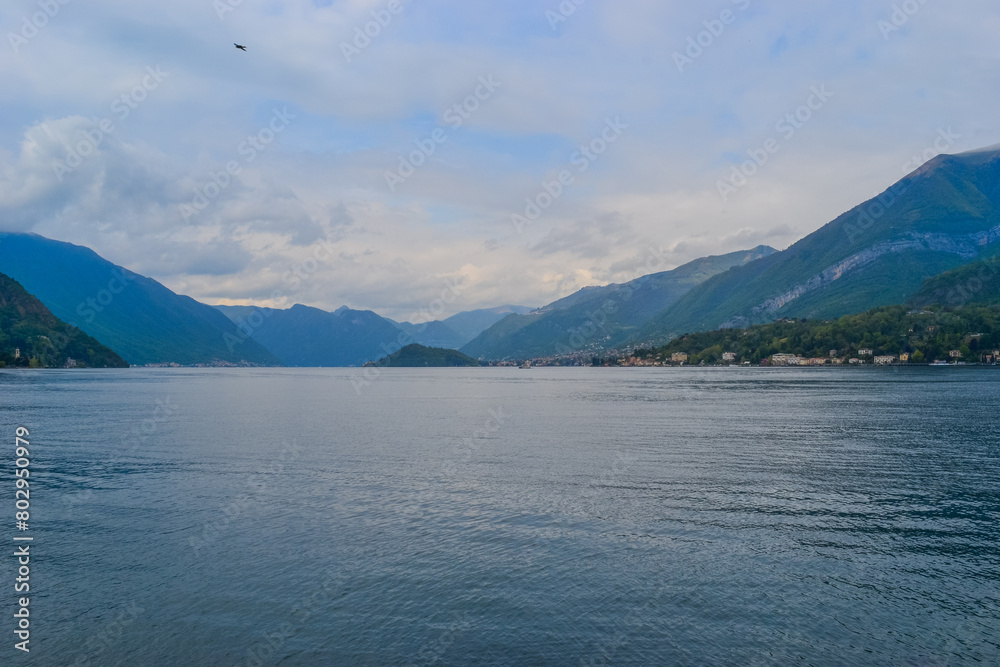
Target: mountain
<point>471,323</point>
<point>418,356</point>
<point>967,333</point>
<point>460,328</point>
<point>432,334</point>
<point>30,335</point>
<point>596,318</point>
<point>139,318</point>
<point>977,283</point>
<point>306,336</point>
<point>941,216</point>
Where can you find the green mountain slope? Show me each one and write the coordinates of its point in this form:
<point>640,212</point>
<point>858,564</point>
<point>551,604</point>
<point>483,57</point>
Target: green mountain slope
<point>471,323</point>
<point>943,215</point>
<point>30,335</point>
<point>596,318</point>
<point>970,331</point>
<point>136,316</point>
<point>418,356</point>
<point>977,283</point>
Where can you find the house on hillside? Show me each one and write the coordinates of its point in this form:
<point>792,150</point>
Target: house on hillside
<point>884,360</point>
<point>865,352</point>
<point>729,356</point>
<point>679,357</point>
<point>785,360</point>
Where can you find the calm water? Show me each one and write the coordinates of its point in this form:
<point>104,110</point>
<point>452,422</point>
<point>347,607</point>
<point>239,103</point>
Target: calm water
<point>499,516</point>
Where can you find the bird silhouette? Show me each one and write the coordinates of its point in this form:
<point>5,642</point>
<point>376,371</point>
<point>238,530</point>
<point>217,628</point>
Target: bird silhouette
<point>239,46</point>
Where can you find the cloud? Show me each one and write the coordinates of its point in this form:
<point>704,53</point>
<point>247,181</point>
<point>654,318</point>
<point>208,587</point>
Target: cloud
<point>322,179</point>
<point>597,238</point>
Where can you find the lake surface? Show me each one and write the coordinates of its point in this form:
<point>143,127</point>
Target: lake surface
<point>508,517</point>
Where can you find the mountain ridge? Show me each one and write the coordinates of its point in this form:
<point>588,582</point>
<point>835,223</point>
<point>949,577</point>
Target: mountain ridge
<point>145,322</point>
<point>936,218</point>
<point>30,335</point>
<point>599,317</point>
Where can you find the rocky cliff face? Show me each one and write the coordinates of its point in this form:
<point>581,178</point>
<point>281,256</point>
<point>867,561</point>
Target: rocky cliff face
<point>965,246</point>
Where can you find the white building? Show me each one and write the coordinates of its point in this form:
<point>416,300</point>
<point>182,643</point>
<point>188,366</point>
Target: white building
<point>785,360</point>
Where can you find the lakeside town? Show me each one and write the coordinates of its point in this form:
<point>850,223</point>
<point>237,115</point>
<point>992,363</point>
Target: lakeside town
<point>864,357</point>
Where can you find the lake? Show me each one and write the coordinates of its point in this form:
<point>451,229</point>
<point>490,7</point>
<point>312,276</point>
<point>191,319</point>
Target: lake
<point>508,517</point>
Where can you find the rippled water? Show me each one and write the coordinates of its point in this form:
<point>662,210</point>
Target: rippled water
<point>499,516</point>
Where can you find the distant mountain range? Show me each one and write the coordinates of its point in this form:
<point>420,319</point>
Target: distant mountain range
<point>146,323</point>
<point>933,237</point>
<point>31,336</point>
<point>598,318</point>
<point>305,336</point>
<point>944,215</point>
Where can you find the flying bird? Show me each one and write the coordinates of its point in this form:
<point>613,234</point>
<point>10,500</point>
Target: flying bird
<point>239,46</point>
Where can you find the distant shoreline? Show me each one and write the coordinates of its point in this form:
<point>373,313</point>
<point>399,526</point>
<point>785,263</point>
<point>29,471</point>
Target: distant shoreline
<point>852,367</point>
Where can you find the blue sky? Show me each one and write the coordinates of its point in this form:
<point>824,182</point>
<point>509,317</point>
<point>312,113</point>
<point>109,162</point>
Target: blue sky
<point>695,90</point>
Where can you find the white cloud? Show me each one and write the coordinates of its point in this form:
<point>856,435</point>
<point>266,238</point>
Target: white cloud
<point>324,176</point>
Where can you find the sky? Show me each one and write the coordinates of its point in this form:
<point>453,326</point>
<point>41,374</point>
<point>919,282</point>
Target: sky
<point>433,156</point>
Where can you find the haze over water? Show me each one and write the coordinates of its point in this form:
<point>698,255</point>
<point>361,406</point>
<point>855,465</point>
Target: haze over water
<point>498,516</point>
